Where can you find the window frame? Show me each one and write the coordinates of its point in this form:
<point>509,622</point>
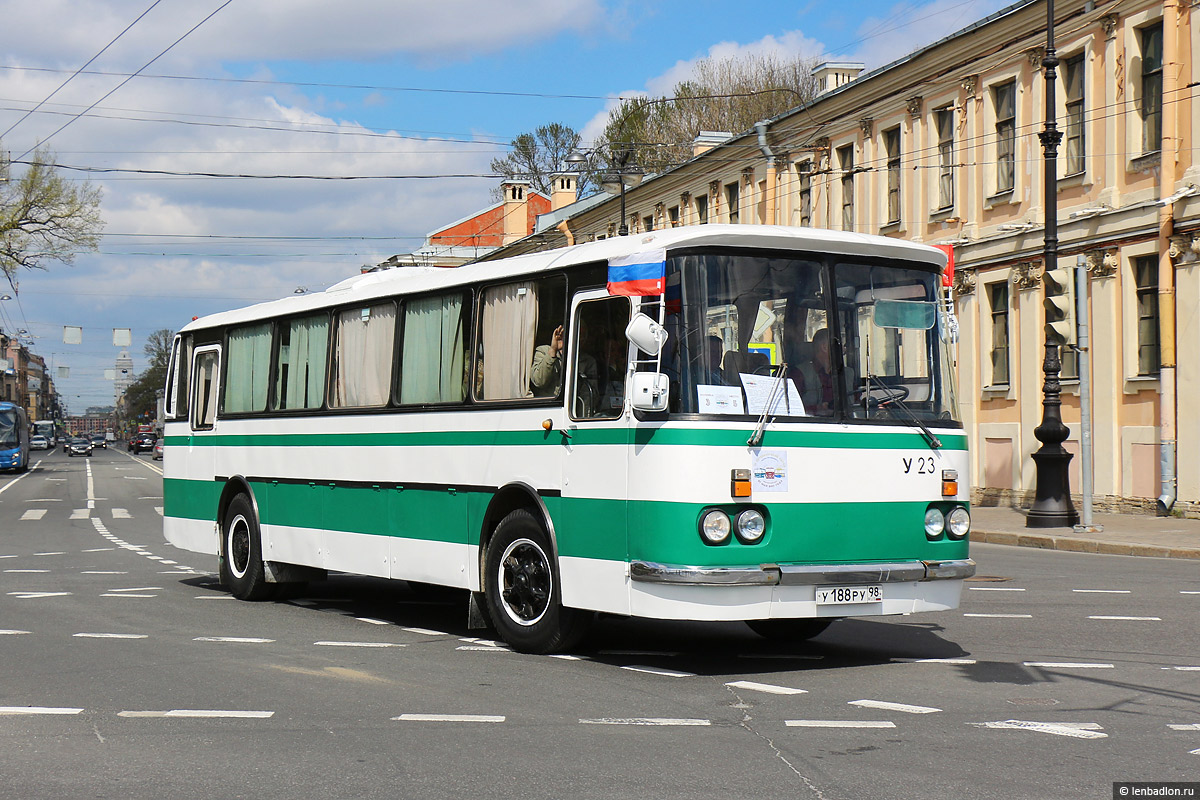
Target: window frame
<point>1076,117</point>
<point>480,292</point>
<point>469,297</point>
<point>280,322</point>
<point>1005,128</point>
<point>195,406</point>
<point>894,197</point>
<point>944,118</point>
<point>1151,78</point>
<point>999,319</point>
<point>331,372</point>
<point>1146,292</point>
<point>845,155</point>
<point>733,209</point>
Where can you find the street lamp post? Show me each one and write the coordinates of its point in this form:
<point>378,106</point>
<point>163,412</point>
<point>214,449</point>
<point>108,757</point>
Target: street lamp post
<point>625,173</point>
<point>1052,506</point>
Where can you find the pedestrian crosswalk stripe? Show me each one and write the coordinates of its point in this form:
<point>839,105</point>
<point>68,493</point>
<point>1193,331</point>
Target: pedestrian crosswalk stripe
<point>34,514</point>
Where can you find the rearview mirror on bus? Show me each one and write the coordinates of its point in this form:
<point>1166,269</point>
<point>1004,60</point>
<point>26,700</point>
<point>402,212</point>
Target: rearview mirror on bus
<point>650,390</point>
<point>647,334</point>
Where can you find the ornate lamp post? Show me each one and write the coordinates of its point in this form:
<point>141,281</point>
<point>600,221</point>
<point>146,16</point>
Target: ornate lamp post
<point>1052,506</point>
<point>625,173</point>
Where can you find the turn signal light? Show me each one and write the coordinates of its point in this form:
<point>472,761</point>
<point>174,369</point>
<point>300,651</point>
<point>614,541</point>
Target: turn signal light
<point>949,483</point>
<point>739,483</point>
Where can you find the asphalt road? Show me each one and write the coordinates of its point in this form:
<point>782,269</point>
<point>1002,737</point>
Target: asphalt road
<point>126,672</point>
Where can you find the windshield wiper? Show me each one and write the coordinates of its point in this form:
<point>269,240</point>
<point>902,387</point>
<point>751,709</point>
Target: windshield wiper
<point>772,398</point>
<point>897,399</point>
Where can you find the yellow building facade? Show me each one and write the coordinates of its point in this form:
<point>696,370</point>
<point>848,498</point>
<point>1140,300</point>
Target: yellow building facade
<point>943,147</point>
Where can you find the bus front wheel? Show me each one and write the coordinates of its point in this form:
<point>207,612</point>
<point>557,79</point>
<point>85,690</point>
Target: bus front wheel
<point>522,591</point>
<point>242,570</point>
<point>795,629</point>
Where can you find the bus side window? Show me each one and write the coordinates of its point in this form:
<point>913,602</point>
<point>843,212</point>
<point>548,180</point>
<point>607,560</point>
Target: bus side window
<point>204,407</point>
<point>517,323</point>
<point>599,354</point>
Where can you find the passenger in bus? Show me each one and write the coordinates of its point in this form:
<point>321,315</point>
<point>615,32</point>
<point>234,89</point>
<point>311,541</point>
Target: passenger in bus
<point>710,372</point>
<point>814,378</point>
<point>546,376</point>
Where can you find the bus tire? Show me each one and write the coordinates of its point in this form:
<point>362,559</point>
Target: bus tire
<point>242,571</point>
<point>522,590</point>
<point>798,630</point>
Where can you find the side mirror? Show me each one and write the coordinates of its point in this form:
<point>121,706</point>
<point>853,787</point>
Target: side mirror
<point>649,391</point>
<point>647,334</point>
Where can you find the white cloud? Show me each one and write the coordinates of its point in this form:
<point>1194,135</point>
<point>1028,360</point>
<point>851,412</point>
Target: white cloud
<point>909,26</point>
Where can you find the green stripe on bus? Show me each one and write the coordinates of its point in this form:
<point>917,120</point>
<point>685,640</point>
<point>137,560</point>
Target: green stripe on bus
<point>864,440</point>
<point>615,530</point>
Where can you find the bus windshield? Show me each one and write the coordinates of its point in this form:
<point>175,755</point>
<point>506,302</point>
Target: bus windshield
<point>807,336</point>
<point>9,435</point>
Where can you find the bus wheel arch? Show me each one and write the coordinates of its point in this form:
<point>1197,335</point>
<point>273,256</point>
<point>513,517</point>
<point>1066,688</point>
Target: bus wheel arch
<point>507,499</point>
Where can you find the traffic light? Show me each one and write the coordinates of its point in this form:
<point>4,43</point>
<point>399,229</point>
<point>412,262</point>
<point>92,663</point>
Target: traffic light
<point>1060,305</point>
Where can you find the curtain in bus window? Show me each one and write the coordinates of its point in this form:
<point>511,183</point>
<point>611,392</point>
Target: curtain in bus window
<point>509,319</point>
<point>363,360</point>
<point>247,365</point>
<point>431,365</point>
<point>300,382</point>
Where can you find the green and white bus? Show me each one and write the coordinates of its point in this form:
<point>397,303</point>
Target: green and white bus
<point>774,439</point>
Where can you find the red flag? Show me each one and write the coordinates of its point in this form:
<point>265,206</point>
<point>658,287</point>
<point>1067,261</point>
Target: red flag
<point>948,275</point>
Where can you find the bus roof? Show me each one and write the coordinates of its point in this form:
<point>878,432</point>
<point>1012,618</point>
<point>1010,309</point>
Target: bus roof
<point>406,280</point>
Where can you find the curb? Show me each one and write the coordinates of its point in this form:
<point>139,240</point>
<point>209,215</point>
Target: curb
<point>1077,544</point>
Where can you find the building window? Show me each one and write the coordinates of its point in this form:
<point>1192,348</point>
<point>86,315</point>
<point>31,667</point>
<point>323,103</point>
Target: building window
<point>804,173</point>
<point>731,202</point>
<point>891,143</point>
<point>1145,277</point>
<point>1073,84</point>
<point>997,294</point>
<point>1004,97</point>
<point>702,210</point>
<point>945,134</point>
<point>673,216</point>
<point>648,223</point>
<point>1151,106</point>
<point>846,163</point>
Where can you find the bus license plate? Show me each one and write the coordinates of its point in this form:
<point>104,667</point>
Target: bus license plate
<point>846,595</point>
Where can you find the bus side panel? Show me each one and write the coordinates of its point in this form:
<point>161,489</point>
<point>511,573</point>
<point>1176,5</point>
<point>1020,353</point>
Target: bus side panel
<point>592,538</point>
<point>421,522</point>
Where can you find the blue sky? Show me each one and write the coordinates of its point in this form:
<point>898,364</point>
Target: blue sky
<point>176,247</point>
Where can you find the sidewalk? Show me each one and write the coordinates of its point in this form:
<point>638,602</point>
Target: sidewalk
<point>1122,534</point>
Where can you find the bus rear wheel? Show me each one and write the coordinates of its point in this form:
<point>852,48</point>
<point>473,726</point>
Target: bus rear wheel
<point>797,630</point>
<point>242,570</point>
<point>522,590</point>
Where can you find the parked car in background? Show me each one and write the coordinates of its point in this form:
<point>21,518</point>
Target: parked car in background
<point>79,446</point>
<point>158,446</point>
<point>142,442</point>
<point>39,442</point>
<point>98,440</point>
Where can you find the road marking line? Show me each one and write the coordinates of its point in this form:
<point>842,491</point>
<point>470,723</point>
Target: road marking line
<point>159,509</point>
<point>1185,669</point>
<point>566,657</point>
<point>1079,730</point>
<point>34,514</point>
<point>16,710</point>
<point>12,633</point>
<point>214,597</point>
<point>370,620</point>
<point>483,648</point>
<point>103,572</point>
<point>196,713</point>
<point>448,718</point>
<point>80,513</point>
<point>360,644</point>
<point>886,706</point>
<point>666,673</point>
<point>765,687</point>
<point>170,563</point>
<point>133,477</point>
<point>139,589</point>
<point>12,556</point>
<point>1188,592</point>
<point>120,513</point>
<point>1066,665</point>
<point>1194,752</point>
<point>1132,619</point>
<point>1102,591</point>
<point>424,631</point>
<point>111,635</point>
<point>234,639</point>
<point>994,589</point>
<point>838,723</point>
<point>110,594</point>
<point>99,550</point>
<point>1191,726</point>
<point>36,595</point>
<point>1001,616</point>
<point>656,721</point>
<point>39,571</point>
<point>964,661</point>
<point>53,553</point>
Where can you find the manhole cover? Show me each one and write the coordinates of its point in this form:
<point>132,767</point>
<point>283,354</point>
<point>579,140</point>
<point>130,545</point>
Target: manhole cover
<point>1032,701</point>
<point>988,579</point>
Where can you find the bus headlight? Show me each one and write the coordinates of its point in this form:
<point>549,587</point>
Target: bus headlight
<point>750,526</point>
<point>958,522</point>
<point>715,527</point>
<point>935,523</point>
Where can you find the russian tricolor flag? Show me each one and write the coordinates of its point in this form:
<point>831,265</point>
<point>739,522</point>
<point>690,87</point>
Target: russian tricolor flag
<point>639,275</point>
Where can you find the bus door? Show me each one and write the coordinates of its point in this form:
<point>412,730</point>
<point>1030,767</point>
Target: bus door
<point>206,387</point>
<point>592,535</point>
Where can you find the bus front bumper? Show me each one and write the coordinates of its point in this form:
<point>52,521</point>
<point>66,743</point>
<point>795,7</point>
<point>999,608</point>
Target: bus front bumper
<point>802,575</point>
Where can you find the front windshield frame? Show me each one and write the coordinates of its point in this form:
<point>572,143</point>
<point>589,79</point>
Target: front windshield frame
<point>706,297</point>
<point>10,436</point>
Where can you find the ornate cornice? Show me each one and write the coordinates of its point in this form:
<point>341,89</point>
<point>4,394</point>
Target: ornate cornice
<point>1027,275</point>
<point>1109,21</point>
<point>1101,263</point>
<point>915,104</point>
<point>1184,249</point>
<point>970,84</point>
<point>867,125</point>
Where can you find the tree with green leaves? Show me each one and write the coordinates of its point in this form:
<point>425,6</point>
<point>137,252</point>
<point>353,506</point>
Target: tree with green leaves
<point>537,156</point>
<point>44,217</point>
<point>724,94</point>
